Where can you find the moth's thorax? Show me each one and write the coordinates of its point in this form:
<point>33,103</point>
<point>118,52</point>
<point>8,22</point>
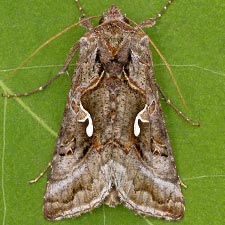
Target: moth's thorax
<point>113,13</point>
<point>112,33</point>
<point>113,39</point>
<point>114,110</point>
<point>113,48</point>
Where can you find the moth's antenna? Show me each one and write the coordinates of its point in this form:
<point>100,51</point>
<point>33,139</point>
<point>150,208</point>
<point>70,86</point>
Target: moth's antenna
<point>170,71</point>
<point>163,10</point>
<point>50,40</point>
<point>151,22</point>
<point>80,8</point>
<point>159,15</point>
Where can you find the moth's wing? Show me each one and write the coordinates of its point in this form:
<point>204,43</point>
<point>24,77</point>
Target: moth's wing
<point>77,182</point>
<point>150,185</point>
<point>142,189</point>
<point>75,186</point>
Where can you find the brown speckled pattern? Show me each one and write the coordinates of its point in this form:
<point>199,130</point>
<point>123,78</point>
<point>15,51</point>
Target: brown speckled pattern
<point>113,80</point>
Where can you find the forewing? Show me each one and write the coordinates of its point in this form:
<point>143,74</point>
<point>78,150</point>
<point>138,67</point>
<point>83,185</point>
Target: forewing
<point>150,185</point>
<point>75,186</point>
<point>142,190</point>
<point>77,182</point>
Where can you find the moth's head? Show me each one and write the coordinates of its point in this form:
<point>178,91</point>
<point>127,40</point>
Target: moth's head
<point>113,13</point>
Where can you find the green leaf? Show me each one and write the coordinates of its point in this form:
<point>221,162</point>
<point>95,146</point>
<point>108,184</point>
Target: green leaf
<point>190,35</point>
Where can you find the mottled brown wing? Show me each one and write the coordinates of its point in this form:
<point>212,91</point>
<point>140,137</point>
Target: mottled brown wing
<point>141,189</point>
<point>128,158</point>
<point>76,183</point>
<point>75,186</point>
<point>148,182</point>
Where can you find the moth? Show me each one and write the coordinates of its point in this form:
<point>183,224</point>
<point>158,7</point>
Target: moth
<point>113,146</point>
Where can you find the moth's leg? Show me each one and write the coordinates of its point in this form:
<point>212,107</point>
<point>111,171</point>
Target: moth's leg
<point>167,100</point>
<point>61,72</point>
<point>41,174</point>
<point>182,183</point>
<point>163,10</point>
<point>86,23</point>
<point>151,22</point>
<point>80,8</point>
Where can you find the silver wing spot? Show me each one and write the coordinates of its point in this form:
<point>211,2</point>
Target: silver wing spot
<point>140,116</point>
<point>89,129</point>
